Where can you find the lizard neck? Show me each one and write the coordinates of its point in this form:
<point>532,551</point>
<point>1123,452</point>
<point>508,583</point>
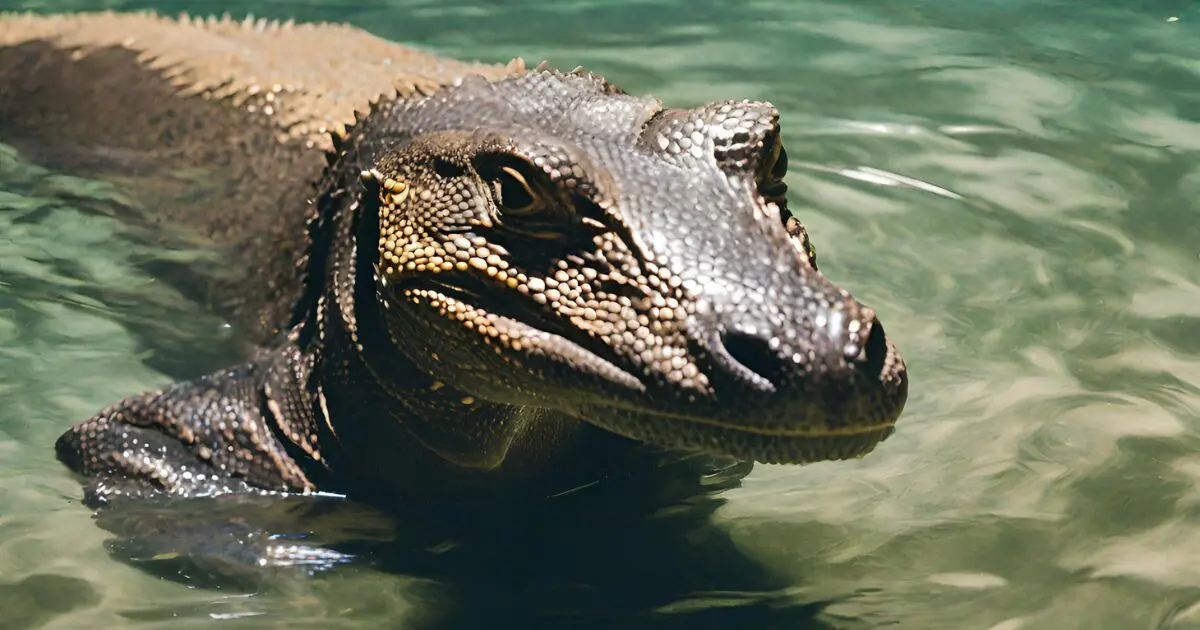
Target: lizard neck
<point>378,404</point>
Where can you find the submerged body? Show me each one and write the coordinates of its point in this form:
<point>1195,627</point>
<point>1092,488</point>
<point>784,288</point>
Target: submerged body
<point>492,279</point>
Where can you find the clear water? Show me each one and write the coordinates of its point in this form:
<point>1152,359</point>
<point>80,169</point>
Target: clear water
<point>1013,185</point>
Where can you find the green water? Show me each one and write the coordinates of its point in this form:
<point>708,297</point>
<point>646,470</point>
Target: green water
<point>1012,185</point>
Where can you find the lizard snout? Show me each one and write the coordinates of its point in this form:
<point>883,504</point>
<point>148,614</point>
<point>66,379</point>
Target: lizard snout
<point>763,360</point>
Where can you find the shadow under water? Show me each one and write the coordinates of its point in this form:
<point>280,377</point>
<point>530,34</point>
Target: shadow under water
<point>634,551</point>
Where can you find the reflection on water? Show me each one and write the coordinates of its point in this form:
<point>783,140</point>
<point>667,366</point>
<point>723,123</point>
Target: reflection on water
<point>1011,185</point>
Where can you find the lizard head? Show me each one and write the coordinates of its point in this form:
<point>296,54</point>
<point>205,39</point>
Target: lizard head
<point>576,248</point>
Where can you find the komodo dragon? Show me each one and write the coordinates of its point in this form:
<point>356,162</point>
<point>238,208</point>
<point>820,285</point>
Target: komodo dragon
<point>495,280</point>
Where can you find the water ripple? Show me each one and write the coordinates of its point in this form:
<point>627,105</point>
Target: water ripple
<point>1012,185</point>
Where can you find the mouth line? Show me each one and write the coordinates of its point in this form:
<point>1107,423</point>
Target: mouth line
<point>791,433</point>
<point>849,431</point>
<point>478,293</point>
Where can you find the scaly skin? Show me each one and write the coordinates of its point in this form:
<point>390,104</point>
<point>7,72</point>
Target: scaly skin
<point>506,280</point>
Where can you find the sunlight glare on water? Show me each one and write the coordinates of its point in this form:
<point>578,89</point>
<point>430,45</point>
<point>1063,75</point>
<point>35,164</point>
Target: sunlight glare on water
<point>1013,187</point>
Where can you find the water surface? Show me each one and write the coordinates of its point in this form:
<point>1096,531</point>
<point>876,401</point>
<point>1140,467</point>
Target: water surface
<point>1012,185</point>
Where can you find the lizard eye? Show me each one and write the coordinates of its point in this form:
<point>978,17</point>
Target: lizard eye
<point>778,166</point>
<point>772,169</point>
<point>774,162</point>
<point>512,189</point>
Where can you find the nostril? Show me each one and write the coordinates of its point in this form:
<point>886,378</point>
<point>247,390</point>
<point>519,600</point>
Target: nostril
<point>875,350</point>
<point>754,353</point>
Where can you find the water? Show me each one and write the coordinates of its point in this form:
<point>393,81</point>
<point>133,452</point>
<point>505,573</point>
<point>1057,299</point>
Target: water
<point>1012,185</point>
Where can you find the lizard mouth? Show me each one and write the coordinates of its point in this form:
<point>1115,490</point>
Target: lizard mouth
<point>747,443</point>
